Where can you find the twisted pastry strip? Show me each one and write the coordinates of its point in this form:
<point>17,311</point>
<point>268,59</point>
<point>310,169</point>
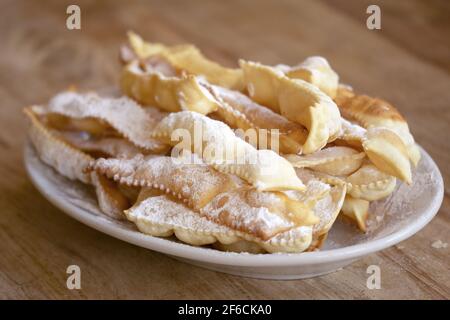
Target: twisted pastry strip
<point>121,114</point>
<point>367,182</point>
<point>327,208</point>
<point>297,100</point>
<point>373,112</point>
<point>215,195</point>
<point>162,86</point>
<point>357,211</point>
<point>189,59</point>
<point>71,162</point>
<point>239,111</point>
<point>99,146</point>
<point>365,185</point>
<point>147,84</point>
<point>317,71</point>
<point>156,82</point>
<point>382,146</point>
<point>216,143</point>
<point>162,216</point>
<point>336,161</point>
<point>55,152</point>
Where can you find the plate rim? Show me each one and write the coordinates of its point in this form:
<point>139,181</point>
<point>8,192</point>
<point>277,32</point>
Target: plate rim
<point>211,256</point>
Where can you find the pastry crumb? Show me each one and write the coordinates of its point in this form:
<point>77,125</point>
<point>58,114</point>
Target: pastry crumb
<point>438,244</point>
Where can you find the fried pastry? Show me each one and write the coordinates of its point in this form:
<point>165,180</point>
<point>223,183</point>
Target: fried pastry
<point>387,151</point>
<point>120,117</point>
<point>317,71</point>
<point>357,211</point>
<point>176,92</point>
<point>351,134</point>
<point>189,59</point>
<point>336,160</point>
<point>369,183</point>
<point>161,216</point>
<point>71,162</point>
<point>55,152</point>
<point>111,200</point>
<point>317,242</point>
<point>326,208</point>
<point>146,83</point>
<point>315,190</point>
<point>239,111</point>
<point>295,99</point>
<point>276,184</point>
<point>374,112</point>
<point>218,146</point>
<point>356,203</point>
<point>214,194</point>
<point>382,146</point>
<point>100,146</point>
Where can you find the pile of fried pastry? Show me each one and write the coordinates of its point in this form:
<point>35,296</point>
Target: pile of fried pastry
<point>338,150</point>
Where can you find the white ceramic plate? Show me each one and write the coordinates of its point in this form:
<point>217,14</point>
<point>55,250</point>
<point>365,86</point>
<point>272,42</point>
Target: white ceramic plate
<point>394,219</point>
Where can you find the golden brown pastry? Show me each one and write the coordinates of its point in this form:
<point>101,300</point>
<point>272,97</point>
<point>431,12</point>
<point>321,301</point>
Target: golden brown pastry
<point>275,184</point>
<point>356,210</point>
<point>100,116</point>
<point>219,147</point>
<point>295,99</point>
<point>71,162</point>
<point>382,146</point>
<point>239,111</point>
<point>147,84</point>
<point>335,160</point>
<point>162,216</point>
<point>213,194</point>
<point>317,71</point>
<point>374,112</point>
<point>189,59</point>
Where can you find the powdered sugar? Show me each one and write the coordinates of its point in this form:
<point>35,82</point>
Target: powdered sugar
<point>233,209</point>
<point>386,216</point>
<point>202,188</point>
<point>159,215</point>
<point>162,211</point>
<point>257,114</point>
<point>398,204</point>
<point>327,209</point>
<point>438,244</point>
<point>123,114</point>
<point>218,146</point>
<point>403,208</point>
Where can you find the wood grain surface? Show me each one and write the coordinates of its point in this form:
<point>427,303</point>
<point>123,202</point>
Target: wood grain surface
<point>406,62</point>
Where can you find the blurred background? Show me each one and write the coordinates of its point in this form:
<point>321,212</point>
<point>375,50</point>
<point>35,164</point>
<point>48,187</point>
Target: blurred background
<point>407,62</point>
<point>40,53</point>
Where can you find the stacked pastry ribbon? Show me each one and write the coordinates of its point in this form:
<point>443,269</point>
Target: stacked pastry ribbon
<point>337,150</point>
<point>325,127</point>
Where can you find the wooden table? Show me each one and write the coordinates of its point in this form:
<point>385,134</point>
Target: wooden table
<point>407,62</point>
